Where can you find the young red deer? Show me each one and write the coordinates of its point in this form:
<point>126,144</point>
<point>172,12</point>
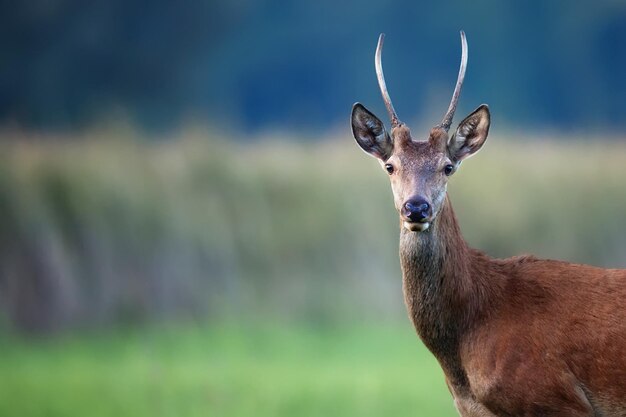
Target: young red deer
<point>515,337</point>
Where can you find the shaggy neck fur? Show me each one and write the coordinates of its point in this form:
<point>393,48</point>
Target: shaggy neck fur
<point>444,294</point>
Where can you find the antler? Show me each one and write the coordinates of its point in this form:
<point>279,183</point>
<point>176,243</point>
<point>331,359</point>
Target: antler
<point>447,119</point>
<point>381,83</point>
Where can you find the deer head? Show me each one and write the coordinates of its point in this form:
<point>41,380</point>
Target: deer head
<point>419,169</point>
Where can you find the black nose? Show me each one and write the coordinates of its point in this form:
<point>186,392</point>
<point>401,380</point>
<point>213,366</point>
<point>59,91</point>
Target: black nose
<point>416,210</point>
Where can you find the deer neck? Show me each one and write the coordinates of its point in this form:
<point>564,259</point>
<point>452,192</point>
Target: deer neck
<point>440,291</point>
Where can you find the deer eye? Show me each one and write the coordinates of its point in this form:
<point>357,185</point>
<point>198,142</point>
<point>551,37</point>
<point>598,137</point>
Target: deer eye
<point>389,168</point>
<point>448,169</point>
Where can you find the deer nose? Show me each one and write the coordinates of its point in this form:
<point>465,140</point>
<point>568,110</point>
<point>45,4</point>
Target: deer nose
<point>417,210</point>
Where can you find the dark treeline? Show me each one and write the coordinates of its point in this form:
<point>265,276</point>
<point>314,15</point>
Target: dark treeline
<point>264,64</point>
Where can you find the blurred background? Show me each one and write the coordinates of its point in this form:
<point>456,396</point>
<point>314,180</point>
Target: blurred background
<point>188,227</point>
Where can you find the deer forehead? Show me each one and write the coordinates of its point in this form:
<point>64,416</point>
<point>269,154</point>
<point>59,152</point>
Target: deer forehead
<point>414,155</point>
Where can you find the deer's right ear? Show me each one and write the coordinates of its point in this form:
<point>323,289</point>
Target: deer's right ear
<point>370,133</point>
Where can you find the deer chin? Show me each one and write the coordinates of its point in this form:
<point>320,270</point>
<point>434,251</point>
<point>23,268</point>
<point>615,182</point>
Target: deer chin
<point>415,226</point>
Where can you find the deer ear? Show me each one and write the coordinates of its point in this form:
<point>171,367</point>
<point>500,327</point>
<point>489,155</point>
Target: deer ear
<point>471,134</point>
<point>370,133</point>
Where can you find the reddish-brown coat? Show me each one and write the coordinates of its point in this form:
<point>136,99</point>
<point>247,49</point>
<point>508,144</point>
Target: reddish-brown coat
<point>520,336</point>
<point>515,337</point>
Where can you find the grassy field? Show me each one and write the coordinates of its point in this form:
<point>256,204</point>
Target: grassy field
<point>229,370</point>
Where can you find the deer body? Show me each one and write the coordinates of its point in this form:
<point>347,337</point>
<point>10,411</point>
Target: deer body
<point>520,336</point>
<point>514,337</point>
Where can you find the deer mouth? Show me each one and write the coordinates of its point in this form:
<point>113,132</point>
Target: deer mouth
<point>415,226</point>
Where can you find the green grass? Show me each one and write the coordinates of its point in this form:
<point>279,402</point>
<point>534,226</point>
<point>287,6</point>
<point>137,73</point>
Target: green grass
<point>372,370</point>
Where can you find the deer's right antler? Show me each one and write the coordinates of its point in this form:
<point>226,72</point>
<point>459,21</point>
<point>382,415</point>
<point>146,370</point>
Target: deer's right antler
<point>381,83</point>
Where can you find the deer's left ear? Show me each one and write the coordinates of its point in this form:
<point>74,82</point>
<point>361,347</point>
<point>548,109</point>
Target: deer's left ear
<point>470,135</point>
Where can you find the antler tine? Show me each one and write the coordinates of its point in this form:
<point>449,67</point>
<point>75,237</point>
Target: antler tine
<point>447,119</point>
<point>381,82</point>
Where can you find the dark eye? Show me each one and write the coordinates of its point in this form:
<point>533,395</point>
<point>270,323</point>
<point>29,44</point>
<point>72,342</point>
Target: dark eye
<point>448,170</point>
<point>389,168</point>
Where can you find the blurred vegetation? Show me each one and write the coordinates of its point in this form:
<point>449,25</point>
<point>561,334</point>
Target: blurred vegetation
<point>119,231</point>
<point>98,232</point>
<point>202,276</point>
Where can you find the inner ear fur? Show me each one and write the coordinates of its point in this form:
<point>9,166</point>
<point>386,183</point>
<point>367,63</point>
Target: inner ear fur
<point>370,133</point>
<point>470,135</point>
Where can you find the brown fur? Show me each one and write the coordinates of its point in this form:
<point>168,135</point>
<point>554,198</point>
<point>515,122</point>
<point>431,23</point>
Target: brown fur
<point>520,336</point>
<point>515,337</point>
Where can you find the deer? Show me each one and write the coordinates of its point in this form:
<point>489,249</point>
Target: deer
<point>520,336</point>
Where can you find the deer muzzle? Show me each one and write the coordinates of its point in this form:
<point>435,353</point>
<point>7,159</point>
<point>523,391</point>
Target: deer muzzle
<point>416,214</point>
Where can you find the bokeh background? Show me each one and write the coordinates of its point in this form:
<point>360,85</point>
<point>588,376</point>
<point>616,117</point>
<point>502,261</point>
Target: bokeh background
<point>188,228</point>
